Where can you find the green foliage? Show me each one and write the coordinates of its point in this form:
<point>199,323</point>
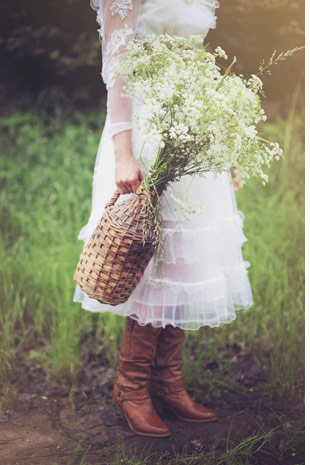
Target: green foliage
<point>46,167</point>
<point>273,329</point>
<point>50,45</point>
<point>253,30</point>
<point>55,45</point>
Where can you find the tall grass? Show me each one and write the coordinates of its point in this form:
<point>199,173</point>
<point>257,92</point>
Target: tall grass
<point>255,448</point>
<point>46,176</point>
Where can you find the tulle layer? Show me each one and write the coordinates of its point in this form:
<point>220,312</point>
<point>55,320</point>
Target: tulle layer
<point>205,279</point>
<point>183,304</point>
<point>193,245</point>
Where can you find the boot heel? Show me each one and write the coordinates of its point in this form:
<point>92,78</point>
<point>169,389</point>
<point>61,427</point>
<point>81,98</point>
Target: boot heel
<point>120,411</point>
<point>158,404</point>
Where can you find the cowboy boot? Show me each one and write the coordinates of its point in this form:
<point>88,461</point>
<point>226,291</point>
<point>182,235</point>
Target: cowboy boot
<point>166,383</point>
<point>131,392</point>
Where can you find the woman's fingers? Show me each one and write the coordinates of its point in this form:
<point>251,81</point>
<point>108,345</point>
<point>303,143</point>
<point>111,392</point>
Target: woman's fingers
<point>134,185</point>
<point>238,185</point>
<point>122,188</point>
<point>127,174</point>
<point>127,188</point>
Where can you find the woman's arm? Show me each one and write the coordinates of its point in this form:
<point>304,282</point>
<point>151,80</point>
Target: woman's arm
<point>118,25</point>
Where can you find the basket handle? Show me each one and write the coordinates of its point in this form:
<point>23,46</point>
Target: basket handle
<point>113,199</point>
<point>116,195</point>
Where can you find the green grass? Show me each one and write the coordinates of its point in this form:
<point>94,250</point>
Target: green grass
<point>46,176</point>
<point>280,443</point>
<point>273,329</point>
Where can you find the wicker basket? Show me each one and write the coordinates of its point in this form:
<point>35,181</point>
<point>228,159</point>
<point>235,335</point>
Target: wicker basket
<point>114,259</point>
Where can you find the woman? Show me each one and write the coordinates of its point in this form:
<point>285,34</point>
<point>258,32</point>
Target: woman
<point>205,278</point>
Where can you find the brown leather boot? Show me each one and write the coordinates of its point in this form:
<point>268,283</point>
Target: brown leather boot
<point>131,391</point>
<point>166,384</point>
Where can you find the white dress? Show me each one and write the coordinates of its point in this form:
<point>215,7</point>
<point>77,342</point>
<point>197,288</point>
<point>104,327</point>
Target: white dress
<point>205,279</point>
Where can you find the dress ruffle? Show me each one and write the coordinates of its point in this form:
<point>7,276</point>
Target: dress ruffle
<point>205,278</point>
<point>185,243</point>
<point>188,305</point>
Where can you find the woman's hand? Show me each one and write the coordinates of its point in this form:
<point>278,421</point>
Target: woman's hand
<point>128,174</point>
<point>238,183</point>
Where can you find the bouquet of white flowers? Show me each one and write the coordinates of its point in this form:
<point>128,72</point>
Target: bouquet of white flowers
<point>201,119</point>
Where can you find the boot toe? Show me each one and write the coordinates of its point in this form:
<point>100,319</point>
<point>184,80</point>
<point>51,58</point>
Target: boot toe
<point>203,414</point>
<point>143,428</point>
<point>195,413</point>
<point>185,408</point>
<point>143,419</point>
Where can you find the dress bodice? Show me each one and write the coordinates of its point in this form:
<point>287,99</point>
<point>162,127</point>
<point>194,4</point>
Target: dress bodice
<point>123,20</point>
<point>178,17</point>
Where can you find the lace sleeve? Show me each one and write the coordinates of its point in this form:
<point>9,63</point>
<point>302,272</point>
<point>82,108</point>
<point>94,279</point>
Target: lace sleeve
<point>117,20</point>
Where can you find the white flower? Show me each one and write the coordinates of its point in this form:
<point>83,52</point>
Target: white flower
<point>250,132</point>
<point>205,119</point>
<point>255,82</point>
<point>220,53</point>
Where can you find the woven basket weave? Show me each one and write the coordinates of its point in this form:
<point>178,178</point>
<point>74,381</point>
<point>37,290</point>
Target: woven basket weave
<point>114,259</point>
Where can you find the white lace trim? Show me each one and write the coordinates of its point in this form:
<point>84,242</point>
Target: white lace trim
<point>121,7</point>
<point>212,4</point>
<point>115,128</point>
<point>108,72</point>
<point>118,38</point>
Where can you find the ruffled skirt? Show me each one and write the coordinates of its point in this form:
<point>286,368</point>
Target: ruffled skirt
<point>205,279</point>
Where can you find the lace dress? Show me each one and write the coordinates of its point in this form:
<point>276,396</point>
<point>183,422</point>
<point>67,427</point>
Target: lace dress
<point>205,279</point>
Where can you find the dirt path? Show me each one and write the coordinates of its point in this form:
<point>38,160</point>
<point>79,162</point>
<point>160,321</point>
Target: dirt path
<point>46,426</point>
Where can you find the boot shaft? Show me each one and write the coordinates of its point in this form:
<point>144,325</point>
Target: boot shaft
<point>131,388</point>
<point>137,352</point>
<point>166,368</point>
